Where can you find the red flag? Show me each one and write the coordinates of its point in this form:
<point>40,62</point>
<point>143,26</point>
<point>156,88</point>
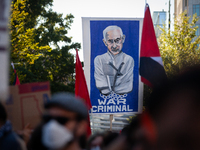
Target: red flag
<point>16,81</point>
<point>81,89</point>
<point>151,66</point>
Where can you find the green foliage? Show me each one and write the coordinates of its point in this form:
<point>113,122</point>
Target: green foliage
<point>49,29</point>
<point>179,48</point>
<point>24,48</point>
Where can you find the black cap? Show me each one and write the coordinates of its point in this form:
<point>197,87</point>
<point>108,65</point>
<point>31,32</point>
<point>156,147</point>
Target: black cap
<point>68,102</point>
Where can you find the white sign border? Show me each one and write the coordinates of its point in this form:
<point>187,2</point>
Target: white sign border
<point>87,57</point>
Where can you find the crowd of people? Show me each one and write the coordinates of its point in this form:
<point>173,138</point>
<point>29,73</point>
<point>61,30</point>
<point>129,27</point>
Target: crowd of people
<point>171,121</point>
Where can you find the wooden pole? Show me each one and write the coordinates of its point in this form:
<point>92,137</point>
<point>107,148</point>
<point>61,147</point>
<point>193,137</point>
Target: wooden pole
<point>111,118</point>
<point>92,120</point>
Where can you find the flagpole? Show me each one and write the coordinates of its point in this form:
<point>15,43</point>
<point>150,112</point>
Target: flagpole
<point>169,16</point>
<point>111,118</point>
<point>92,120</point>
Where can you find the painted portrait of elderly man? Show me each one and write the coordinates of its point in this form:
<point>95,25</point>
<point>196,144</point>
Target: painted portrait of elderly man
<point>113,70</point>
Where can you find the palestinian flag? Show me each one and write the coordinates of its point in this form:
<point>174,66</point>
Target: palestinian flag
<point>151,66</point>
<point>16,81</point>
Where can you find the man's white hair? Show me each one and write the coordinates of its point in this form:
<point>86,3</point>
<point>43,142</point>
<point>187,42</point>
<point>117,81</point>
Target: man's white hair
<point>109,28</point>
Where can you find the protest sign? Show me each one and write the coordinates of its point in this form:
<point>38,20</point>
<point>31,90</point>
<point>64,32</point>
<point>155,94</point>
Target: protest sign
<point>111,64</point>
<point>25,103</point>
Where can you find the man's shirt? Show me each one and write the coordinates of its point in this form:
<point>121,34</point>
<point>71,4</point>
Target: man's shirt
<point>114,73</point>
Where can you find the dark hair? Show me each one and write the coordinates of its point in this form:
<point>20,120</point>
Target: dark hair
<point>35,142</point>
<point>109,137</point>
<point>92,137</point>
<point>130,131</point>
<point>3,114</point>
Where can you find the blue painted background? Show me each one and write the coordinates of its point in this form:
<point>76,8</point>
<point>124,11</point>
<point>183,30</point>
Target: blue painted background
<point>130,29</point>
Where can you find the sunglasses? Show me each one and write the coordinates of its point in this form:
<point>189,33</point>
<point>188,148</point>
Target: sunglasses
<point>59,119</point>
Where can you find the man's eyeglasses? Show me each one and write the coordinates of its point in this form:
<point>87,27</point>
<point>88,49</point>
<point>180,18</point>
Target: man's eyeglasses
<point>116,41</point>
<point>59,119</point>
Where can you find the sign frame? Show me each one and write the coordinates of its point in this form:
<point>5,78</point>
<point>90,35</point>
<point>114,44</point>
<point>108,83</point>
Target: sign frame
<point>86,28</point>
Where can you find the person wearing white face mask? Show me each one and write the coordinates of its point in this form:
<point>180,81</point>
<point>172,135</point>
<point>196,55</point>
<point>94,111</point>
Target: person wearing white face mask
<point>95,142</point>
<point>64,124</point>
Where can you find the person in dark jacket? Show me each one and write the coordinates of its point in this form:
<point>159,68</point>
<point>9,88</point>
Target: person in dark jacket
<point>9,140</point>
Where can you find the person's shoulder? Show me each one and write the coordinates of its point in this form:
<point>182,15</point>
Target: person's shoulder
<point>10,137</point>
<point>13,140</point>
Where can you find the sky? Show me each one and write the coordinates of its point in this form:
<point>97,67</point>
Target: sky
<point>105,8</point>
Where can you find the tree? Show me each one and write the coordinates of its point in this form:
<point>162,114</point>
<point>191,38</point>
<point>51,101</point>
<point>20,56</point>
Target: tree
<point>50,28</point>
<point>24,48</point>
<point>179,48</point>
